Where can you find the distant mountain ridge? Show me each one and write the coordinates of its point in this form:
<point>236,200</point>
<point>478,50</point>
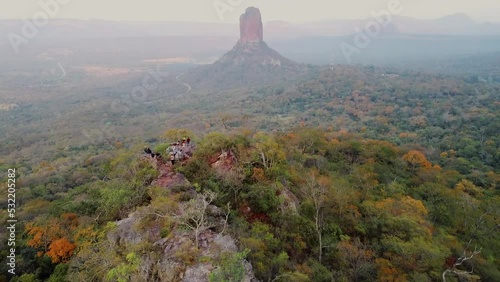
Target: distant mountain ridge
<point>458,24</point>
<point>405,42</point>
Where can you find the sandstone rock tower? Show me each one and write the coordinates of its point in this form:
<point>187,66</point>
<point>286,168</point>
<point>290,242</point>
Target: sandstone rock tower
<point>250,63</point>
<point>251,28</point>
<point>251,50</point>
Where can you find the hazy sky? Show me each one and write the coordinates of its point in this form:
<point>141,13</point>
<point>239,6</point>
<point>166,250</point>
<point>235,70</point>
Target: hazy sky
<point>287,10</point>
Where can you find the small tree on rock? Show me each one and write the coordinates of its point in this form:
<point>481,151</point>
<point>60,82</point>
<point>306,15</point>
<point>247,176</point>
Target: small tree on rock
<point>193,213</point>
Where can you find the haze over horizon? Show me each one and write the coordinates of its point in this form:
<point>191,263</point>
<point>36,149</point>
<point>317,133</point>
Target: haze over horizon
<point>294,11</point>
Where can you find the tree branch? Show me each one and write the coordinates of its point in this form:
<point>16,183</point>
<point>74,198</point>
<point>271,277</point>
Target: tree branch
<point>463,258</point>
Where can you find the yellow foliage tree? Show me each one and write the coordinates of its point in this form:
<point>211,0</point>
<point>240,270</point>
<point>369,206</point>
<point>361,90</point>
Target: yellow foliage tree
<point>468,187</point>
<point>269,151</point>
<point>416,159</point>
<point>175,134</point>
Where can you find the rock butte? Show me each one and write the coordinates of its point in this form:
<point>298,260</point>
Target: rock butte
<point>250,62</point>
<point>251,48</point>
<point>251,28</point>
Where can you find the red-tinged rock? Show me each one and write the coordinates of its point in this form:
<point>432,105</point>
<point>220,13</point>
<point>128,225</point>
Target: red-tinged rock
<point>224,161</point>
<point>250,62</point>
<point>251,28</point>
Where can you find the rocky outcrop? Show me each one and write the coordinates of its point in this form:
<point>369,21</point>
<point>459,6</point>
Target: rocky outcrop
<point>251,28</point>
<point>125,233</point>
<point>251,62</point>
<point>223,162</point>
<point>215,245</point>
<point>170,180</point>
<point>178,255</point>
<point>290,201</point>
<point>251,50</point>
<point>171,252</point>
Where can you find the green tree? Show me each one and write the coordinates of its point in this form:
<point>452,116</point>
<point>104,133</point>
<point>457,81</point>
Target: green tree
<point>126,270</point>
<point>231,268</point>
<point>266,255</point>
<point>175,134</point>
<point>59,274</point>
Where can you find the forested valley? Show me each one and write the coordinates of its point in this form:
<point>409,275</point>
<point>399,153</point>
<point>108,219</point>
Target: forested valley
<point>318,173</point>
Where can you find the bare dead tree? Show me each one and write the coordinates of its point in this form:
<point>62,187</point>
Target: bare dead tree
<point>96,219</point>
<point>226,214</point>
<point>316,192</point>
<point>224,118</point>
<point>466,255</point>
<point>193,214</point>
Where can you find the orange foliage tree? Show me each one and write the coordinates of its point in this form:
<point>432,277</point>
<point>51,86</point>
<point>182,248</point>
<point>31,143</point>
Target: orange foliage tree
<point>43,235</point>
<point>60,250</point>
<point>50,237</point>
<point>415,160</point>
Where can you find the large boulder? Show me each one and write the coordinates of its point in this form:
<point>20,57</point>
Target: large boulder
<point>125,233</point>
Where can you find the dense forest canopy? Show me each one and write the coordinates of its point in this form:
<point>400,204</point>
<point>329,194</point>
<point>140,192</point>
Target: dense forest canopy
<point>305,205</point>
